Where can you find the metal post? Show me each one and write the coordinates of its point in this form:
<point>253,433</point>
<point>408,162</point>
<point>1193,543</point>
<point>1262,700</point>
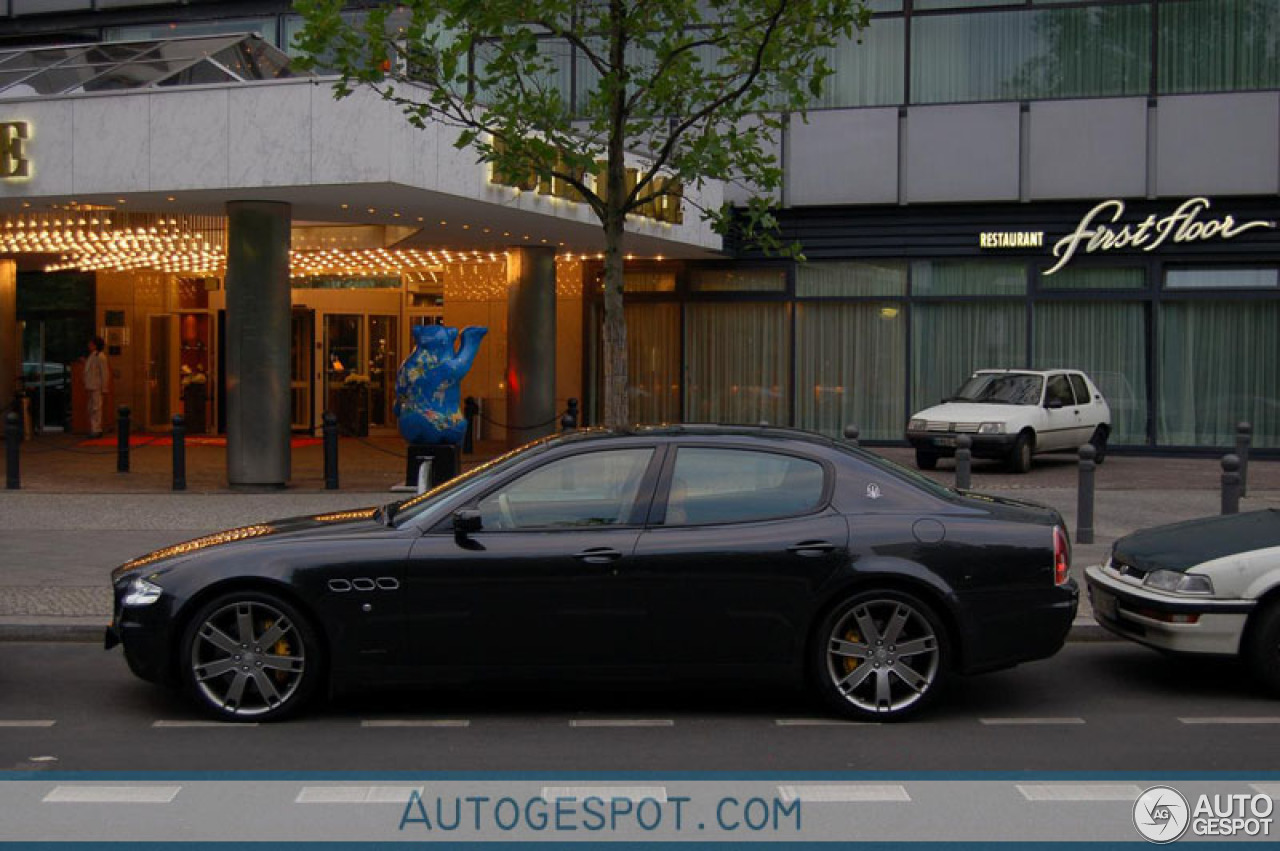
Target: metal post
<point>179,453</point>
<point>964,462</point>
<point>570,418</point>
<point>12,437</point>
<point>122,439</point>
<point>424,473</point>
<point>1230,484</point>
<point>330,451</point>
<point>1244,441</point>
<point>851,435</point>
<point>1084,497</point>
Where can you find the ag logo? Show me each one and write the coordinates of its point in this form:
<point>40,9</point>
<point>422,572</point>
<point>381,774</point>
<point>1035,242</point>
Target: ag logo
<point>1161,814</point>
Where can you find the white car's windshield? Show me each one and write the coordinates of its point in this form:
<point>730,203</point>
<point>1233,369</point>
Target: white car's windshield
<point>1003,389</point>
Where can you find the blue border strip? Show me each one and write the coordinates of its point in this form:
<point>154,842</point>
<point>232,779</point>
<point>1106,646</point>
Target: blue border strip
<point>704,776</point>
<point>623,846</point>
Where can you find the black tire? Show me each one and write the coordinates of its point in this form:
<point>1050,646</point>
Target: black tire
<point>874,680</point>
<point>1099,443</point>
<point>926,460</point>
<point>242,678</point>
<point>1263,649</point>
<point>1020,455</point>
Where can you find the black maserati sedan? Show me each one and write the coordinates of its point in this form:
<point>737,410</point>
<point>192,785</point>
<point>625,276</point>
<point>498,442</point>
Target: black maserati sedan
<point>705,553</point>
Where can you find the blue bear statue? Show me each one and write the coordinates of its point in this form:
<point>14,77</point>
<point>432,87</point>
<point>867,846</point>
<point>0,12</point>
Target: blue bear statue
<point>428,396</point>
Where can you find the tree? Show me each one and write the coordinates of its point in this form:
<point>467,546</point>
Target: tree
<point>683,91</point>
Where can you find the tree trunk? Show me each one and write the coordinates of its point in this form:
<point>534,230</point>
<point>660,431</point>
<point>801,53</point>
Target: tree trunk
<point>614,354</point>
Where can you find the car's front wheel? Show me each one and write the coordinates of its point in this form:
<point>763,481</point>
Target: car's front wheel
<point>880,656</point>
<point>1020,456</point>
<point>1263,649</point>
<point>250,656</point>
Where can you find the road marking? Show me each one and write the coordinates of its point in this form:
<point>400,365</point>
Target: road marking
<point>27,723</point>
<point>605,793</point>
<point>1080,792</point>
<point>112,794</point>
<point>163,725</point>
<point>858,793</point>
<point>1028,722</point>
<point>356,794</point>
<point>1225,719</point>
<point>1271,790</point>
<point>622,722</point>
<point>823,722</point>
<point>415,722</point>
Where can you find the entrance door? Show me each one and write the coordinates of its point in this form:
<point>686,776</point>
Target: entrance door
<point>301,369</point>
<point>162,370</point>
<point>48,347</point>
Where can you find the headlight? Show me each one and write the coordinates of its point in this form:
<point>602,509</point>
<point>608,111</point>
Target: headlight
<point>917,425</point>
<point>1178,583</point>
<point>991,428</point>
<point>142,592</point>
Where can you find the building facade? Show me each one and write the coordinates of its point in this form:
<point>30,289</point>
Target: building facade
<point>983,184</point>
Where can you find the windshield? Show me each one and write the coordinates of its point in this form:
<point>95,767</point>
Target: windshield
<point>406,511</point>
<point>1001,389</point>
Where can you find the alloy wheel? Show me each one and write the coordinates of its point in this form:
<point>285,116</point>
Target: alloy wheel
<point>883,655</point>
<point>247,659</point>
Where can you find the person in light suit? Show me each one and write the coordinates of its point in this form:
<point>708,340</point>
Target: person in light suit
<point>97,380</point>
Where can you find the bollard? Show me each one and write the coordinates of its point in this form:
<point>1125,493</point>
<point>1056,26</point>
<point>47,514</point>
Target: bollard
<point>330,451</point>
<point>1230,484</point>
<point>964,462</point>
<point>471,413</point>
<point>570,419</point>
<point>424,474</point>
<point>1244,441</point>
<point>179,453</point>
<point>122,439</point>
<point>1084,496</point>
<point>12,437</point>
<point>851,435</point>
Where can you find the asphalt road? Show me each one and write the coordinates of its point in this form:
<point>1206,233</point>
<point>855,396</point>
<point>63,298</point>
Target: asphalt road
<point>1094,707</point>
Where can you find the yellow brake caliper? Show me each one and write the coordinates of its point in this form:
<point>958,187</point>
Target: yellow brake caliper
<point>280,648</point>
<point>849,662</point>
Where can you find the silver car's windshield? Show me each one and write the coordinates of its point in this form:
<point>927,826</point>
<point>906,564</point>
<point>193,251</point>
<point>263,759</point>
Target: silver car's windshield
<point>1003,389</point>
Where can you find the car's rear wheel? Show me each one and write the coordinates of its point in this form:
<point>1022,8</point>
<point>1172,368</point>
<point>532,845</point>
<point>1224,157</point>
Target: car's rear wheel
<point>1099,443</point>
<point>881,656</point>
<point>250,656</point>
<point>926,460</point>
<point>1020,455</point>
<point>1263,650</point>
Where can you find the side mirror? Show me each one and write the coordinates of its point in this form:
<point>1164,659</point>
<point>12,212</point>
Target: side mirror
<point>1053,404</point>
<point>466,521</point>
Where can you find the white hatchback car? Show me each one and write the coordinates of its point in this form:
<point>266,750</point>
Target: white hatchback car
<point>1013,414</point>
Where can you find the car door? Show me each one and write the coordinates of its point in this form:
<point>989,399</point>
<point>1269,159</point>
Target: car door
<point>538,586</point>
<point>1060,415</point>
<point>739,539</point>
<point>1089,410</point>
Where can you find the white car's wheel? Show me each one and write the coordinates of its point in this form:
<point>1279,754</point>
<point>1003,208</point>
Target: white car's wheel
<point>1023,449</point>
<point>1263,651</point>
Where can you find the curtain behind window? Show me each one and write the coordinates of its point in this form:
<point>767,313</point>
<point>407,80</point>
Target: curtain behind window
<point>950,341</point>
<point>653,362</point>
<point>738,358</point>
<point>1219,45</point>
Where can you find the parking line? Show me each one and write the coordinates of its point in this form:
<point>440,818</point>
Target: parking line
<point>822,722</point>
<point>1226,719</point>
<point>112,794</point>
<point>356,794</point>
<point>1029,722</point>
<point>416,722</point>
<point>33,723</point>
<point>605,793</point>
<point>1080,792</point>
<point>857,793</point>
<point>622,722</point>
<point>163,725</point>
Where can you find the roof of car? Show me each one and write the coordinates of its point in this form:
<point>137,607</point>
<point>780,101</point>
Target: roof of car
<point>693,430</point>
<point>1025,371</point>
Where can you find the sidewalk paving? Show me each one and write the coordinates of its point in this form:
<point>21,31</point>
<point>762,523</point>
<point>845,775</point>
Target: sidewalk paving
<point>76,518</point>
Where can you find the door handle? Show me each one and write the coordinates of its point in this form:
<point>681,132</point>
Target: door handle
<point>598,555</point>
<point>811,548</point>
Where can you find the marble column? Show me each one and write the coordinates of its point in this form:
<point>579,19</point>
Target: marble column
<point>257,343</point>
<point>10,365</point>
<point>531,343</point>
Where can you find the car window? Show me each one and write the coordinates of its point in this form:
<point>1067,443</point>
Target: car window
<point>590,489</point>
<point>1059,389</point>
<point>736,485</point>
<point>1083,397</point>
<point>1001,388</point>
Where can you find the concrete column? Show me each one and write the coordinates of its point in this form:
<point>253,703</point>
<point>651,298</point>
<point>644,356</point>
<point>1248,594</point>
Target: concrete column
<point>9,343</point>
<point>258,336</point>
<point>531,343</point>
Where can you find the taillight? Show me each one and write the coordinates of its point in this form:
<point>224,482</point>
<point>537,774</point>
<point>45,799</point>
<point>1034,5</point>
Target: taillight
<point>1061,556</point>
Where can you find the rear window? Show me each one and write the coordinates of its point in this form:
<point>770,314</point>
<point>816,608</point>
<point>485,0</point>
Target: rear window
<point>739,485</point>
<point>1082,390</point>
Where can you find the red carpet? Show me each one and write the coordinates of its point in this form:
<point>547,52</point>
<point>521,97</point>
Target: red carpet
<point>191,440</point>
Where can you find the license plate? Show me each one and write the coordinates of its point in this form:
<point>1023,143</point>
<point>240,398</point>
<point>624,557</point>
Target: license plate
<point>944,441</point>
<point>1104,604</point>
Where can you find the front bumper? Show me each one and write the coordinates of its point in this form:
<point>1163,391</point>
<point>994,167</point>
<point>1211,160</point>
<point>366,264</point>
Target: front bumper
<point>943,444</point>
<point>1213,627</point>
<point>144,632</point>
